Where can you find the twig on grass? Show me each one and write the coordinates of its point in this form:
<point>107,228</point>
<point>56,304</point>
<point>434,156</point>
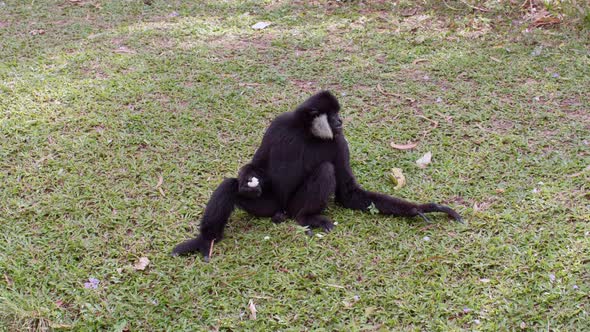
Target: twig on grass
<point>485,10</point>
<point>211,248</point>
<point>380,89</point>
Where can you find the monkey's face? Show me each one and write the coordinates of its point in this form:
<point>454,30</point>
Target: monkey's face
<point>326,125</point>
<point>335,123</point>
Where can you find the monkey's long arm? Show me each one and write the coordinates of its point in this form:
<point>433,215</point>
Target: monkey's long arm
<point>251,177</point>
<point>350,195</point>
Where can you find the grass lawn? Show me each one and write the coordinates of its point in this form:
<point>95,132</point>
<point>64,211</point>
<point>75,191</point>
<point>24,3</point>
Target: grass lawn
<point>119,118</point>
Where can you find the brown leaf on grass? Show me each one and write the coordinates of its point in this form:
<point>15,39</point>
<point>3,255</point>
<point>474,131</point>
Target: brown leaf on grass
<point>398,178</point>
<point>141,264</point>
<point>37,32</point>
<point>425,160</point>
<point>160,181</point>
<point>417,61</point>
<point>409,12</point>
<point>545,21</point>
<point>8,280</point>
<point>261,25</point>
<point>253,310</point>
<point>407,146</point>
<point>580,172</point>
<point>495,59</point>
<point>380,89</point>
<point>124,50</point>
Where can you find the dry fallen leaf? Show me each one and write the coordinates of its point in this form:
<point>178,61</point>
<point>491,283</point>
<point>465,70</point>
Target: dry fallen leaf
<point>37,32</point>
<point>424,160</point>
<point>124,50</point>
<point>407,146</point>
<point>8,280</point>
<point>252,308</point>
<point>160,181</point>
<point>261,25</point>
<point>398,178</point>
<point>579,173</point>
<point>141,264</point>
<point>546,21</point>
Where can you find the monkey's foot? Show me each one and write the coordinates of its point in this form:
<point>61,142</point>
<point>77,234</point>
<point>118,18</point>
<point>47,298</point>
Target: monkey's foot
<point>432,207</point>
<point>199,244</point>
<point>317,221</point>
<point>279,217</point>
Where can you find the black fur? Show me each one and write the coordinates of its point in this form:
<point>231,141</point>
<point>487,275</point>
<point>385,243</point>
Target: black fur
<point>297,173</point>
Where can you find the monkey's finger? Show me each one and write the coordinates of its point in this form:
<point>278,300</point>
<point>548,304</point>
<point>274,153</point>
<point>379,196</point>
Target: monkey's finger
<point>458,219</point>
<point>424,217</point>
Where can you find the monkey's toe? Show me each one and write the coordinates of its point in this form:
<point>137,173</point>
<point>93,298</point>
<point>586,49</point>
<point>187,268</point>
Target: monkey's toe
<point>279,217</point>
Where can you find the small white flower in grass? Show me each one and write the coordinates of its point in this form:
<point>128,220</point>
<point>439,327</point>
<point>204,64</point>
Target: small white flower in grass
<point>552,277</point>
<point>319,235</point>
<point>576,287</point>
<point>266,238</point>
<point>335,223</point>
<point>426,238</point>
<point>466,310</point>
<point>484,280</point>
<point>477,321</point>
<point>535,191</point>
<point>92,283</point>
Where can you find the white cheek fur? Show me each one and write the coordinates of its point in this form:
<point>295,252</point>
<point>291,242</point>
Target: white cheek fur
<point>321,128</point>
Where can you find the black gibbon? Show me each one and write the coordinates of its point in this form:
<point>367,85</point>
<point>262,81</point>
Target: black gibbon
<point>302,161</point>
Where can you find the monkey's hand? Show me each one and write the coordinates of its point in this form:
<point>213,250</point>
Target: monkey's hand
<point>250,182</point>
<point>249,187</point>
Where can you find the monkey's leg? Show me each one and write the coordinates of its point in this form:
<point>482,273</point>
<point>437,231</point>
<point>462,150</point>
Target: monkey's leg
<point>312,197</point>
<point>264,206</point>
<point>219,208</point>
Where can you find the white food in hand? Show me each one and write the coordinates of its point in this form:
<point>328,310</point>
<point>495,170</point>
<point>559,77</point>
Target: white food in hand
<point>253,182</point>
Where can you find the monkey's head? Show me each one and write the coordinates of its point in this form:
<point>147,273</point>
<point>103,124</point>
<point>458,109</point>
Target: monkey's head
<point>319,114</point>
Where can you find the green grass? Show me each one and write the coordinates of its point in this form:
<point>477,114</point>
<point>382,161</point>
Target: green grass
<point>115,94</point>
